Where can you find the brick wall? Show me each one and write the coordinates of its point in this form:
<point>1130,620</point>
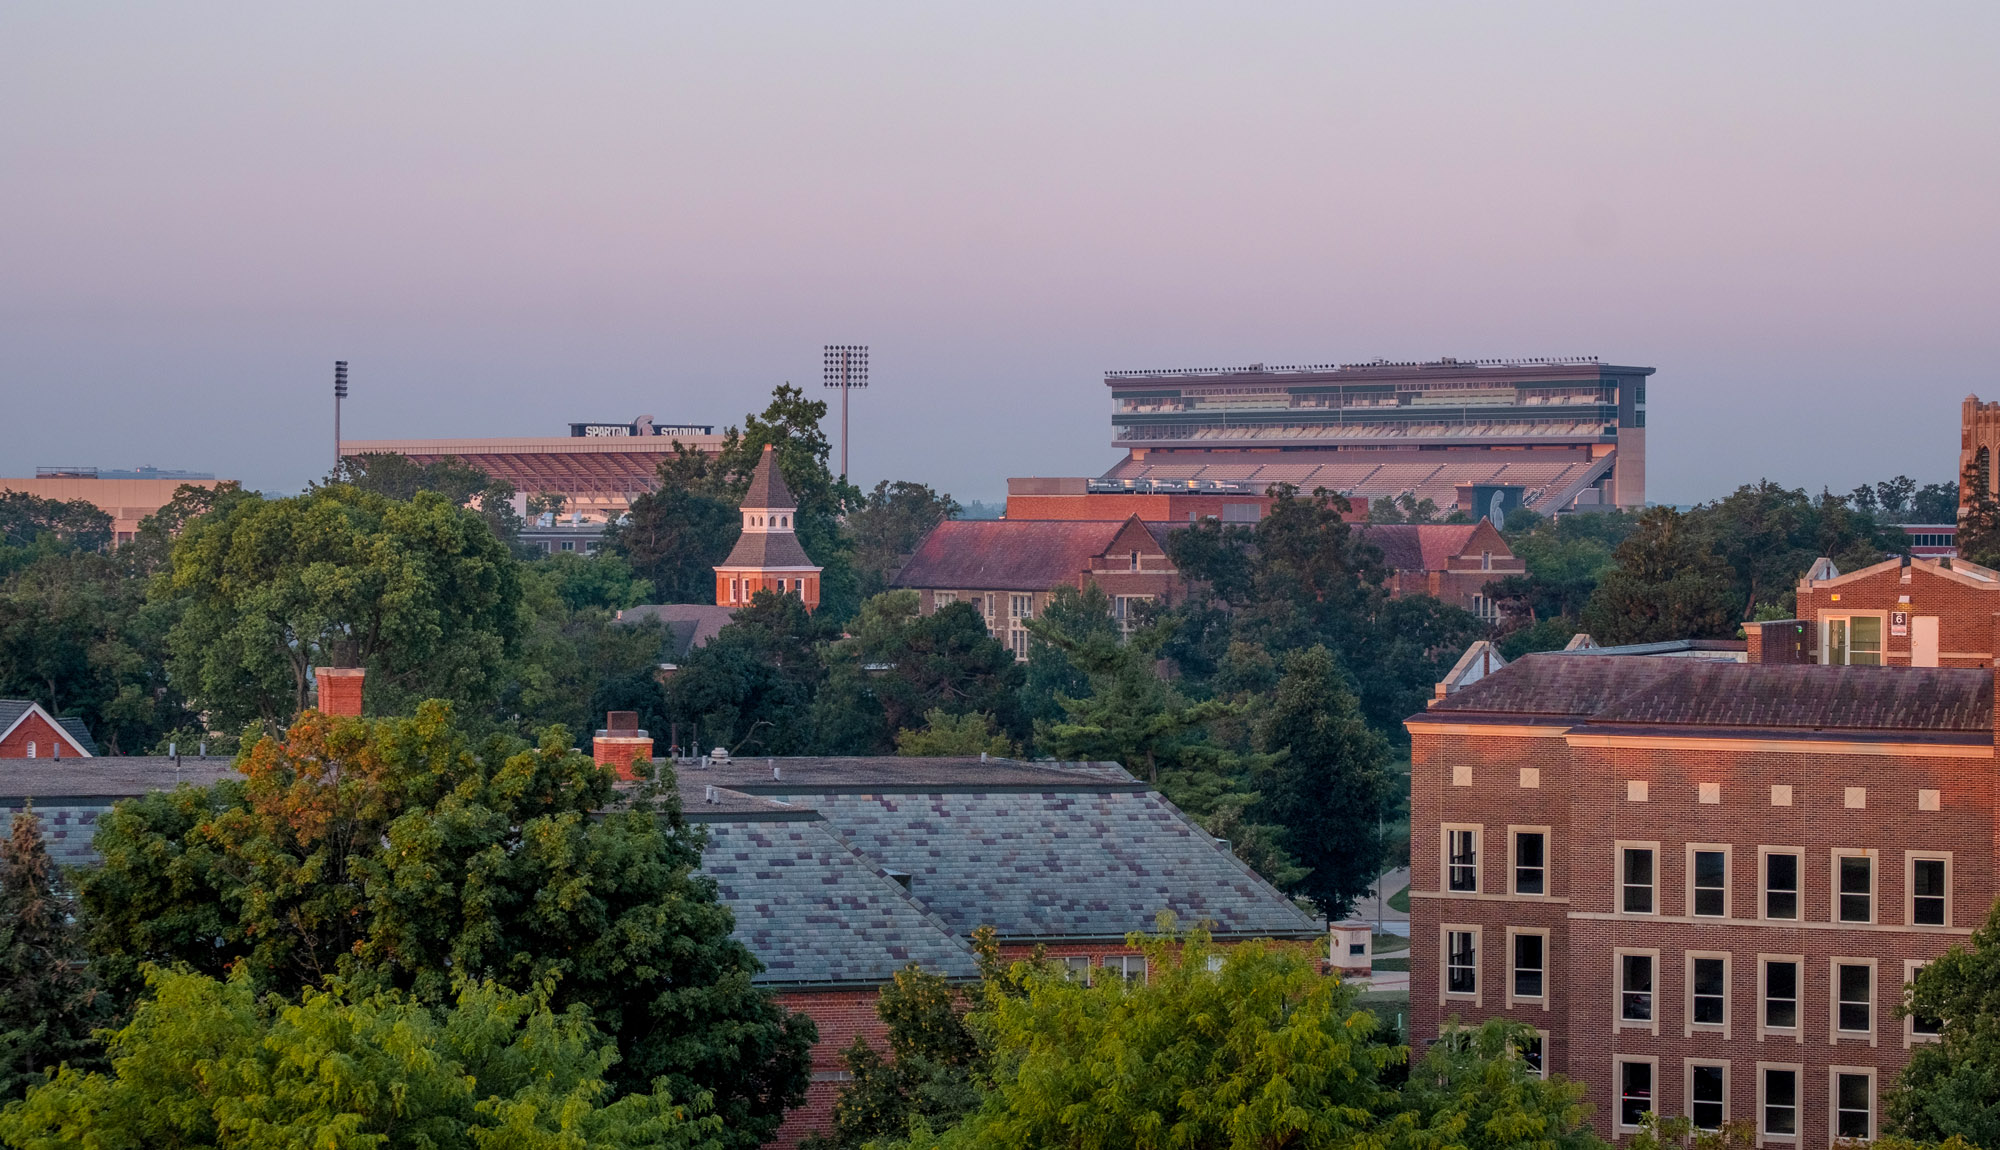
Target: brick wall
<point>1964,608</point>
<point>842,1016</point>
<point>43,734</point>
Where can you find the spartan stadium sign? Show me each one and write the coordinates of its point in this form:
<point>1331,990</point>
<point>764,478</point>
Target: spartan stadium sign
<point>642,426</point>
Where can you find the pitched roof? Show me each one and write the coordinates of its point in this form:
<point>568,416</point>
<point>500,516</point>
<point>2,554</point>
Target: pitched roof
<point>12,710</point>
<point>1007,554</point>
<point>689,625</point>
<point>1418,546</point>
<point>767,549</point>
<point>1662,691</point>
<point>767,485</point>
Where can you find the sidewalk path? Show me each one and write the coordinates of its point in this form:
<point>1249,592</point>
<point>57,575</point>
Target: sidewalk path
<point>1374,910</point>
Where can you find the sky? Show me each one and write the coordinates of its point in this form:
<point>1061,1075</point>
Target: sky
<point>509,217</point>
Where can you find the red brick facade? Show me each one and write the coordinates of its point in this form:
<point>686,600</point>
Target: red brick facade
<point>1954,604</point>
<point>34,737</point>
<point>340,690</point>
<point>1743,794</point>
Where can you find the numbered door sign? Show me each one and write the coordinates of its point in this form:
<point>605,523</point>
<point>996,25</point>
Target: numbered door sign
<point>1899,623</point>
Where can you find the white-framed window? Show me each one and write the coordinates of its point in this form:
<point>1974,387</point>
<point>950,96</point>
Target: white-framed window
<point>1017,642</point>
<point>1021,607</point>
<point>1707,1093</point>
<point>1851,1090</point>
<point>1852,639</point>
<point>1708,880</point>
<point>1124,611</point>
<point>1636,973</point>
<point>1461,857</point>
<point>1638,877</point>
<point>1854,886</point>
<point>1634,1079</point>
<point>1528,965</point>
<point>1853,982</point>
<point>1533,1050</point>
<point>1531,860</point>
<point>31,748</point>
<point>1461,962</point>
<point>1707,999</point>
<point>1780,867</point>
<point>1927,879</point>
<point>1778,1101</point>
<point>1130,967</point>
<point>1918,1027</point>
<point>1779,992</point>
<point>943,599</point>
<point>1486,610</point>
<point>1076,967</point>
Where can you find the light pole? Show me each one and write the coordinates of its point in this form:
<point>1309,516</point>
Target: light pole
<point>339,393</point>
<point>846,369</point>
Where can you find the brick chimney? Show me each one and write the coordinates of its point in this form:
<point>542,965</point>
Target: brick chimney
<point>1781,641</point>
<point>340,684</point>
<point>622,744</point>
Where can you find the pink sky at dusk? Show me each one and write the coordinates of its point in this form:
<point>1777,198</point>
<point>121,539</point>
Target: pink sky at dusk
<point>509,217</point>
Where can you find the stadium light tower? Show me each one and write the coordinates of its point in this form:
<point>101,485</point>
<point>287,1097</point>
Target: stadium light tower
<point>339,393</point>
<point>846,369</point>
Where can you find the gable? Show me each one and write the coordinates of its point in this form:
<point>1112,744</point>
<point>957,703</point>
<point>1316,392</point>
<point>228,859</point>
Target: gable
<point>23,722</point>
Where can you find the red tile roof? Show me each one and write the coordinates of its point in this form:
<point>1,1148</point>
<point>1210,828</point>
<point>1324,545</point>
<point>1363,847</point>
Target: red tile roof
<point>1006,554</point>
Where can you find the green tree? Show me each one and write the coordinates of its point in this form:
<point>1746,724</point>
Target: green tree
<point>576,658</point>
<point>27,519</point>
<point>887,527</point>
<point>400,478</point>
<point>1952,1087</point>
<point>1769,535</point>
<point>930,1073</point>
<point>398,854</point>
<point>1668,584</point>
<point>425,594</point>
<point>1328,782</point>
<point>751,688</point>
<point>791,425</point>
<point>49,1003</point>
<point>1131,716</point>
<point>208,1063</point>
<point>896,665</point>
<point>1080,616</point>
<point>674,535</point>
<point>1473,1090</point>
<point>945,735</point>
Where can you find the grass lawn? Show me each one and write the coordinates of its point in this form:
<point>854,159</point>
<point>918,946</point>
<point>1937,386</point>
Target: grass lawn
<point>1400,962</point>
<point>1400,900</point>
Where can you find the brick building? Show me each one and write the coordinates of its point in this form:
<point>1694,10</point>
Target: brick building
<point>1450,562</point>
<point>1902,612</point>
<point>27,731</point>
<point>1705,884</point>
<point>767,556</point>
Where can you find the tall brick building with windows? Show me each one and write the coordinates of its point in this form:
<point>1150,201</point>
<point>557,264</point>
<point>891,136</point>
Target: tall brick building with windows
<point>1704,884</point>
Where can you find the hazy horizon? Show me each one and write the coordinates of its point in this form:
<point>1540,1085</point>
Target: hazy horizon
<point>511,217</point>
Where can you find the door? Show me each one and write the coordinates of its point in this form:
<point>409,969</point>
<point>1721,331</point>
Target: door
<point>1923,641</point>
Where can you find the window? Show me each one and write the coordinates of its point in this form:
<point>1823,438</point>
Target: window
<point>1709,990</point>
<point>1707,1090</point>
<point>1635,987</point>
<point>1855,875</point>
<point>1928,902</point>
<point>1486,560</point>
<point>1076,968</point>
<point>1135,560</point>
<point>1130,967</point>
<point>1529,1047</point>
<point>1021,606</point>
<point>1853,1104</point>
<point>1781,994</point>
<point>1854,985</point>
<point>1531,861</point>
<point>569,545</point>
<point>1635,1092</point>
<point>1636,880</point>
<point>943,598</point>
<point>1780,1102</point>
<point>1918,1027</point>
<point>1530,964</point>
<point>1710,870</point>
<point>1124,611</point>
<point>1781,885</point>
<point>1854,639</point>
<point>1462,859</point>
<point>1017,642</point>
<point>1461,962</point>
<point>1216,962</point>
<point>31,748</point>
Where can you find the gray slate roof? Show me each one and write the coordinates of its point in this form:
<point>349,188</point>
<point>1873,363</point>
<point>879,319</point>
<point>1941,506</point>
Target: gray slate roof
<point>767,485</point>
<point>107,777</point>
<point>767,549</point>
<point>12,709</point>
<point>688,625</point>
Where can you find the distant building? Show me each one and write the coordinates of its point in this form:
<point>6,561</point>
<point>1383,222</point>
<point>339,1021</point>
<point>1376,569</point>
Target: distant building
<point>127,500</point>
<point>1484,436</point>
<point>767,556</point>
<point>1914,613</point>
<point>1450,562</point>
<point>600,468</point>
<point>29,732</point>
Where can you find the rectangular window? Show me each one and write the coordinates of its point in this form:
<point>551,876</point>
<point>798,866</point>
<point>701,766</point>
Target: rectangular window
<point>1637,880</point>
<point>1635,987</point>
<point>1781,885</point>
<point>1854,640</point>
<point>1853,1105</point>
<point>1529,965</point>
<point>1462,860</point>
<point>1780,1103</point>
<point>1461,962</point>
<point>1919,1027</point>
<point>1711,990</point>
<point>1706,1090</point>
<point>1130,967</point>
<point>943,598</point>
<point>1927,892</point>
<point>1855,986</point>
<point>1635,1092</point>
<point>1711,884</point>
<point>1857,887</point>
<point>1531,862</point>
<point>1017,642</point>
<point>1021,606</point>
<point>1529,1047</point>
<point>1781,995</point>
<point>1076,968</point>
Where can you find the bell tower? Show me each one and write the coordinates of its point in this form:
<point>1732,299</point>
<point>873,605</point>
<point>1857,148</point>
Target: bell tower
<point>767,556</point>
<point>1979,443</point>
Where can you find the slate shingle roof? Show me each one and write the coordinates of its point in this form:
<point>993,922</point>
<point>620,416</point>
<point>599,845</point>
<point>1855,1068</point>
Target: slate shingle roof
<point>1006,554</point>
<point>1553,685</point>
<point>689,625</point>
<point>109,777</point>
<point>1418,546</point>
<point>767,549</point>
<point>767,485</point>
<point>11,711</point>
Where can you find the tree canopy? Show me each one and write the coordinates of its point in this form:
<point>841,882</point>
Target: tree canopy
<point>49,1001</point>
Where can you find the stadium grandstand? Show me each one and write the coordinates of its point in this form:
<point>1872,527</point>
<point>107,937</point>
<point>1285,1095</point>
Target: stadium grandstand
<point>1549,434</point>
<point>599,468</point>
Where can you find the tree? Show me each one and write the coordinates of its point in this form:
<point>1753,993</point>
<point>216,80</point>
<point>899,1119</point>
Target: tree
<point>1082,616</point>
<point>1769,535</point>
<point>397,854</point>
<point>930,1074</point>
<point>1668,584</point>
<point>674,535</point>
<point>887,527</point>
<point>951,736</point>
<point>209,1063</point>
<point>751,688</point>
<point>897,665</point>
<point>400,478</point>
<point>1474,1090</point>
<point>49,1002</point>
<point>1935,503</point>
<point>1327,784</point>
<point>422,591</point>
<point>791,425</point>
<point>27,519</point>
<point>1130,715</point>
<point>1405,508</point>
<point>1952,1087</point>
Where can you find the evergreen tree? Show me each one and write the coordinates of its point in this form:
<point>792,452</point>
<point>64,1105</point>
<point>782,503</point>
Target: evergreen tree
<point>1328,783</point>
<point>48,1000</point>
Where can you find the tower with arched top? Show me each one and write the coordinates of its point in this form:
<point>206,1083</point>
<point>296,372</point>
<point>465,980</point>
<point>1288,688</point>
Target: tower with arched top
<point>767,556</point>
<point>1979,441</point>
